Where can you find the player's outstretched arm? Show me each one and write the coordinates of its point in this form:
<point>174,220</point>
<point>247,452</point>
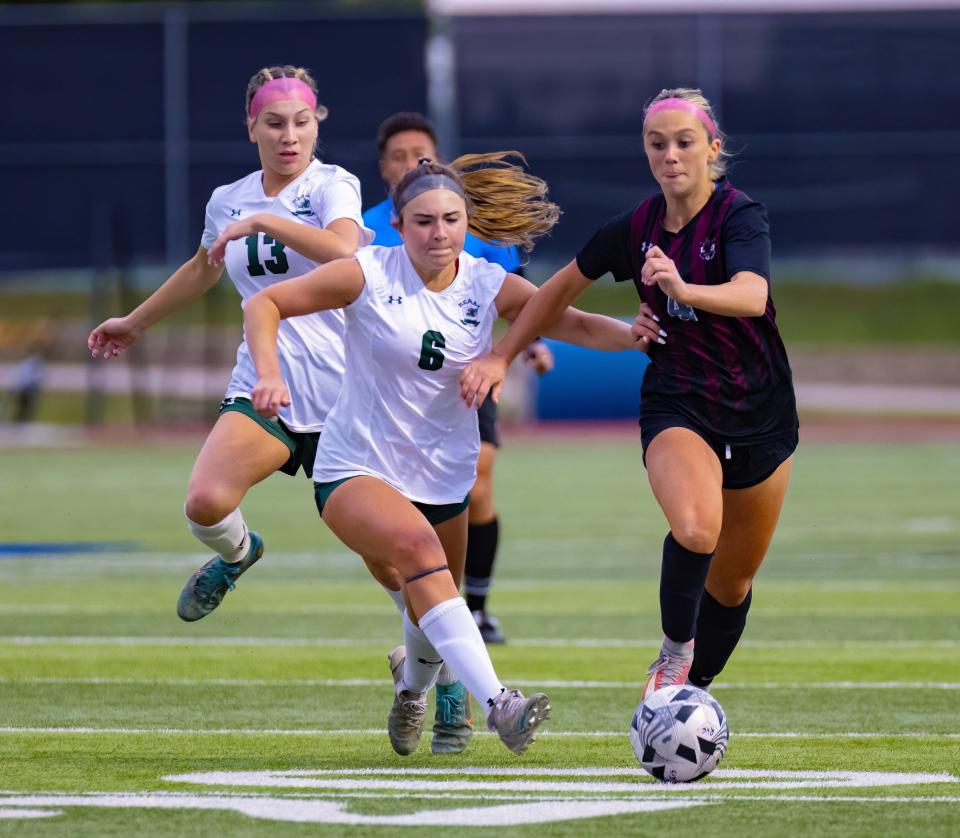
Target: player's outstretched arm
<point>338,240</point>
<point>535,311</point>
<point>334,285</point>
<point>114,336</point>
<point>546,311</point>
<point>594,331</point>
<point>532,312</point>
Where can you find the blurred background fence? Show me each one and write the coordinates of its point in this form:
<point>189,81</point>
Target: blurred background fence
<point>121,118</point>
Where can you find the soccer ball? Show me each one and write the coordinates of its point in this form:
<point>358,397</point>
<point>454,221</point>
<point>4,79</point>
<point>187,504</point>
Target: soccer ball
<point>679,734</point>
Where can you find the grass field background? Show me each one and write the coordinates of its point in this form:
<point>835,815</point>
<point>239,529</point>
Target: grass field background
<point>849,662</point>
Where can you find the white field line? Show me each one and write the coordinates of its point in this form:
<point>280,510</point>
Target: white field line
<point>535,771</point>
<point>316,810</point>
<point>551,684</point>
<point>294,776</point>
<point>11,807</point>
<point>637,786</point>
<point>503,796</point>
<point>795,798</point>
<point>334,812</point>
<point>351,643</point>
<point>171,731</point>
<point>54,798</point>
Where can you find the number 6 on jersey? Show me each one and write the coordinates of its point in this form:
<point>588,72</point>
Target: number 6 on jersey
<point>431,358</point>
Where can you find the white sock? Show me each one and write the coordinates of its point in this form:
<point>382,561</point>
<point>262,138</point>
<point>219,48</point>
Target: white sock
<point>422,664</point>
<point>228,537</point>
<point>447,676</point>
<point>454,634</point>
<point>397,597</point>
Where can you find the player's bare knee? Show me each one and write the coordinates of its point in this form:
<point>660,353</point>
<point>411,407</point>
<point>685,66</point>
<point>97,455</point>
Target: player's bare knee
<point>481,497</point>
<point>386,575</point>
<point>207,505</point>
<point>696,533</point>
<point>730,592</point>
<point>481,509</point>
<point>416,550</point>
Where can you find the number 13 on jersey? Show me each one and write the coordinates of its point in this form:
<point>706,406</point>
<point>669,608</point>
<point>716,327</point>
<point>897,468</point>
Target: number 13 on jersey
<point>277,265</point>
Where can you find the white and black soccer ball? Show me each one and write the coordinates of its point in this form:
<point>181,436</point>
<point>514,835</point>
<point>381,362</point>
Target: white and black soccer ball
<point>679,734</point>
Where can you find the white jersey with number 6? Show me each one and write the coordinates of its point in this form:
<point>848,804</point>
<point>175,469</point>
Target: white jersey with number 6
<point>400,416</point>
<point>310,347</point>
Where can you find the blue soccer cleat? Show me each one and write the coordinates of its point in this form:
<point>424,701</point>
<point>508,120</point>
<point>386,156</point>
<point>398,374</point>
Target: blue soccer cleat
<point>453,723</point>
<point>208,586</point>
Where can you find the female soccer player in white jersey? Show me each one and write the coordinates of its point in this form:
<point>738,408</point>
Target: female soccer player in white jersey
<point>279,222</point>
<point>398,454</point>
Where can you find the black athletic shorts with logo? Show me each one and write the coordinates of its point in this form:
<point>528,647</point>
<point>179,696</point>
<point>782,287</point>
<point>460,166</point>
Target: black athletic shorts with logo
<point>487,416</point>
<point>745,463</point>
<point>303,446</point>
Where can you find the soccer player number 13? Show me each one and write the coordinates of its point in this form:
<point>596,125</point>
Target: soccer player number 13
<point>277,265</point>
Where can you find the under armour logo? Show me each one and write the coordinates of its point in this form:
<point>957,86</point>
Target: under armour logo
<point>392,299</point>
<point>234,213</point>
<point>645,246</point>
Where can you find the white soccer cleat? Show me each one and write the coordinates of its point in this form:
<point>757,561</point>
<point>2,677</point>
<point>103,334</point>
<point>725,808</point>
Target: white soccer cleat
<point>515,718</point>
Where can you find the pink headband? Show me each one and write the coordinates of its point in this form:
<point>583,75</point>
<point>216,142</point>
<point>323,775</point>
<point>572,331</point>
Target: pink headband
<point>687,107</point>
<point>277,90</point>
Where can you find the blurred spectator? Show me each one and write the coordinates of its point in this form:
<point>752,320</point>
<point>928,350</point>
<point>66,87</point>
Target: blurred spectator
<point>27,382</point>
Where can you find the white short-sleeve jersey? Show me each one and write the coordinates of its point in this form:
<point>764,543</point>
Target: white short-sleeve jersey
<point>310,347</point>
<point>400,416</point>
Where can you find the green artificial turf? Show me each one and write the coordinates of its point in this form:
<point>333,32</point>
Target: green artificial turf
<point>849,662</point>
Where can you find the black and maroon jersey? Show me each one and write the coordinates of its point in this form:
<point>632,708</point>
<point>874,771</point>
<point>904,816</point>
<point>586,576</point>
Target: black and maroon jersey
<point>729,374</point>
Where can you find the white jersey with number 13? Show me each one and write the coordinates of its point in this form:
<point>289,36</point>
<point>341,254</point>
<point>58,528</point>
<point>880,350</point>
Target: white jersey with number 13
<point>310,347</point>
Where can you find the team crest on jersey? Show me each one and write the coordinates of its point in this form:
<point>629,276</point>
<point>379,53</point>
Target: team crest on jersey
<point>301,205</point>
<point>680,310</point>
<point>471,311</point>
<point>708,249</point>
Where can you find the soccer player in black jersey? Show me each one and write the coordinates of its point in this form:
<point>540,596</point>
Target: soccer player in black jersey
<point>718,416</point>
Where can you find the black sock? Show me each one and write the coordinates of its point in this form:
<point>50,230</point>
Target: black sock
<point>481,553</point>
<point>718,632</point>
<point>682,577</point>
